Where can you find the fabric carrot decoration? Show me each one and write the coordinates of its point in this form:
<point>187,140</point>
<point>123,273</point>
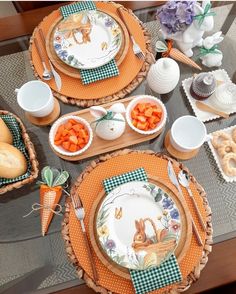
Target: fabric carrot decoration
<point>50,194</point>
<point>167,50</point>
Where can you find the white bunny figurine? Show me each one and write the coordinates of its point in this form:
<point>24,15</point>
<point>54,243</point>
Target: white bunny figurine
<point>110,124</point>
<point>192,36</point>
<point>209,54</point>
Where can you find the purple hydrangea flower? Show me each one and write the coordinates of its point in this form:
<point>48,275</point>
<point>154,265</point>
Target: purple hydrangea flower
<point>167,203</point>
<point>176,15</point>
<point>174,213</point>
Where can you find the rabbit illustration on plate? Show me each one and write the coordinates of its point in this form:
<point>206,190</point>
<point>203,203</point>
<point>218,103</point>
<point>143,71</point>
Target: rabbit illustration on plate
<point>110,124</point>
<point>209,53</point>
<point>155,251</point>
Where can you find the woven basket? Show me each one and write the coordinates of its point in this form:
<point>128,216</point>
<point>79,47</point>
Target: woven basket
<point>32,156</point>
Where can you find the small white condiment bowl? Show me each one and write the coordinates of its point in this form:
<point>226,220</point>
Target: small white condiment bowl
<point>146,99</point>
<point>61,121</point>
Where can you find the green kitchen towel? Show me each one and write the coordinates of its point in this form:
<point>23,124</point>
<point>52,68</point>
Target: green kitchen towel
<point>18,142</point>
<point>103,72</point>
<point>158,277</point>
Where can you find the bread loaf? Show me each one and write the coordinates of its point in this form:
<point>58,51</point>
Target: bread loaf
<point>12,162</point>
<point>5,134</point>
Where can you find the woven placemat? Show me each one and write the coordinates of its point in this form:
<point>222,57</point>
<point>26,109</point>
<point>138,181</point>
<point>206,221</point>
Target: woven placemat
<point>195,273</point>
<point>149,59</point>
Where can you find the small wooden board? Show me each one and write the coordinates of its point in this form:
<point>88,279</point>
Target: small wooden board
<point>183,244</point>
<point>178,154</point>
<point>46,120</point>
<point>100,146</point>
<point>74,72</point>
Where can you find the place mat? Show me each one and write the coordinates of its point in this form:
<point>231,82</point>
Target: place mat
<point>132,70</point>
<point>220,75</point>
<point>167,272</point>
<point>112,165</point>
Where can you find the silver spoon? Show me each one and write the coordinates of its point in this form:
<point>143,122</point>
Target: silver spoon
<point>184,181</point>
<point>47,74</point>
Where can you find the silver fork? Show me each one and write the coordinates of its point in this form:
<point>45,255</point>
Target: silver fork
<point>137,50</point>
<point>80,214</point>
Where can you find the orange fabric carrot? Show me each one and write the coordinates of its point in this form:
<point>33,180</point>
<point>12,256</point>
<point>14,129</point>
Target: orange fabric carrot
<point>49,198</point>
<point>50,194</point>
<point>176,54</point>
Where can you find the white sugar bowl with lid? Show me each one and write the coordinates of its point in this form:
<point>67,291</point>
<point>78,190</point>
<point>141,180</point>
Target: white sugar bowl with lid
<point>225,97</point>
<point>163,75</point>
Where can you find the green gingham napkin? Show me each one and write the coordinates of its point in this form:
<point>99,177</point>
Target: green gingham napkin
<point>100,73</point>
<point>158,277</point>
<point>18,142</point>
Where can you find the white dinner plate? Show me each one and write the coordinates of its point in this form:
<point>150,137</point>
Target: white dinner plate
<point>87,39</point>
<point>138,225</point>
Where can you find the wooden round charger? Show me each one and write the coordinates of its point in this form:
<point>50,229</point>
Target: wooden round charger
<point>178,154</point>
<point>183,244</point>
<point>74,72</point>
<point>46,120</point>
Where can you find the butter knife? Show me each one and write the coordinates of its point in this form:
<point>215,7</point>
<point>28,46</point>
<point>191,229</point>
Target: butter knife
<point>174,181</point>
<point>56,76</point>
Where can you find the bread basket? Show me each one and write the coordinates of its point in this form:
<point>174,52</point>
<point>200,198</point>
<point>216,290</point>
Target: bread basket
<point>29,148</point>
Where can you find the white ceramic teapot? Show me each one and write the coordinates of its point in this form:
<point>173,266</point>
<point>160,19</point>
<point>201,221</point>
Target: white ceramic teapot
<point>163,75</point>
<point>210,54</point>
<point>110,124</point>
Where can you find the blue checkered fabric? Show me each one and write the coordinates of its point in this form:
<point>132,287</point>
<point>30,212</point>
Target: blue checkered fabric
<point>158,277</point>
<point>77,7</point>
<point>18,142</point>
<point>106,71</point>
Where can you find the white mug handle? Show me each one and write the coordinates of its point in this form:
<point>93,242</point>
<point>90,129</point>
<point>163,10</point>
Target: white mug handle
<point>17,90</point>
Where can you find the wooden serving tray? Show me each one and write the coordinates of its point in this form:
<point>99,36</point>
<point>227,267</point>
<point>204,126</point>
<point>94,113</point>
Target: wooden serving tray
<point>183,244</point>
<point>100,146</point>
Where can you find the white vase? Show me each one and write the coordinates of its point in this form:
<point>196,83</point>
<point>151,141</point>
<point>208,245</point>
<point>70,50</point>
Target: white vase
<point>163,75</point>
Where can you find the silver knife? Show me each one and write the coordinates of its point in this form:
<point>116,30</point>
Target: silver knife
<point>56,76</point>
<point>174,181</point>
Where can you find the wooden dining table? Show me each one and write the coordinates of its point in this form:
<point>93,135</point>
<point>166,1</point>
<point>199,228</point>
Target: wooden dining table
<point>15,33</point>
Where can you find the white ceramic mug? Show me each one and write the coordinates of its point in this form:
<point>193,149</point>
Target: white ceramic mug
<point>35,97</point>
<point>187,133</point>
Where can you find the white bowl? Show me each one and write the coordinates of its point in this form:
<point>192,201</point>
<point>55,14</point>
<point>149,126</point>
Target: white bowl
<point>61,121</point>
<point>146,99</point>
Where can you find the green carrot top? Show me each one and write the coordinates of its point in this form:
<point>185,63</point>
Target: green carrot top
<point>52,177</point>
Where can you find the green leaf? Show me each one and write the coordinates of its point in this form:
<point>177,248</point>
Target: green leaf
<point>48,176</point>
<point>161,46</point>
<point>61,179</point>
<point>158,196</point>
<point>55,172</point>
<point>42,174</point>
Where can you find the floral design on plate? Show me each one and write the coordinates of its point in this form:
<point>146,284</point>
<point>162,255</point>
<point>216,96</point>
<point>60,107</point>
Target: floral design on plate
<point>87,39</point>
<point>138,225</point>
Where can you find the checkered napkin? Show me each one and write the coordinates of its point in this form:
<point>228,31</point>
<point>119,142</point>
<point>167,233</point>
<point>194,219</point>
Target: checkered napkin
<point>18,142</point>
<point>151,279</point>
<point>96,74</point>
